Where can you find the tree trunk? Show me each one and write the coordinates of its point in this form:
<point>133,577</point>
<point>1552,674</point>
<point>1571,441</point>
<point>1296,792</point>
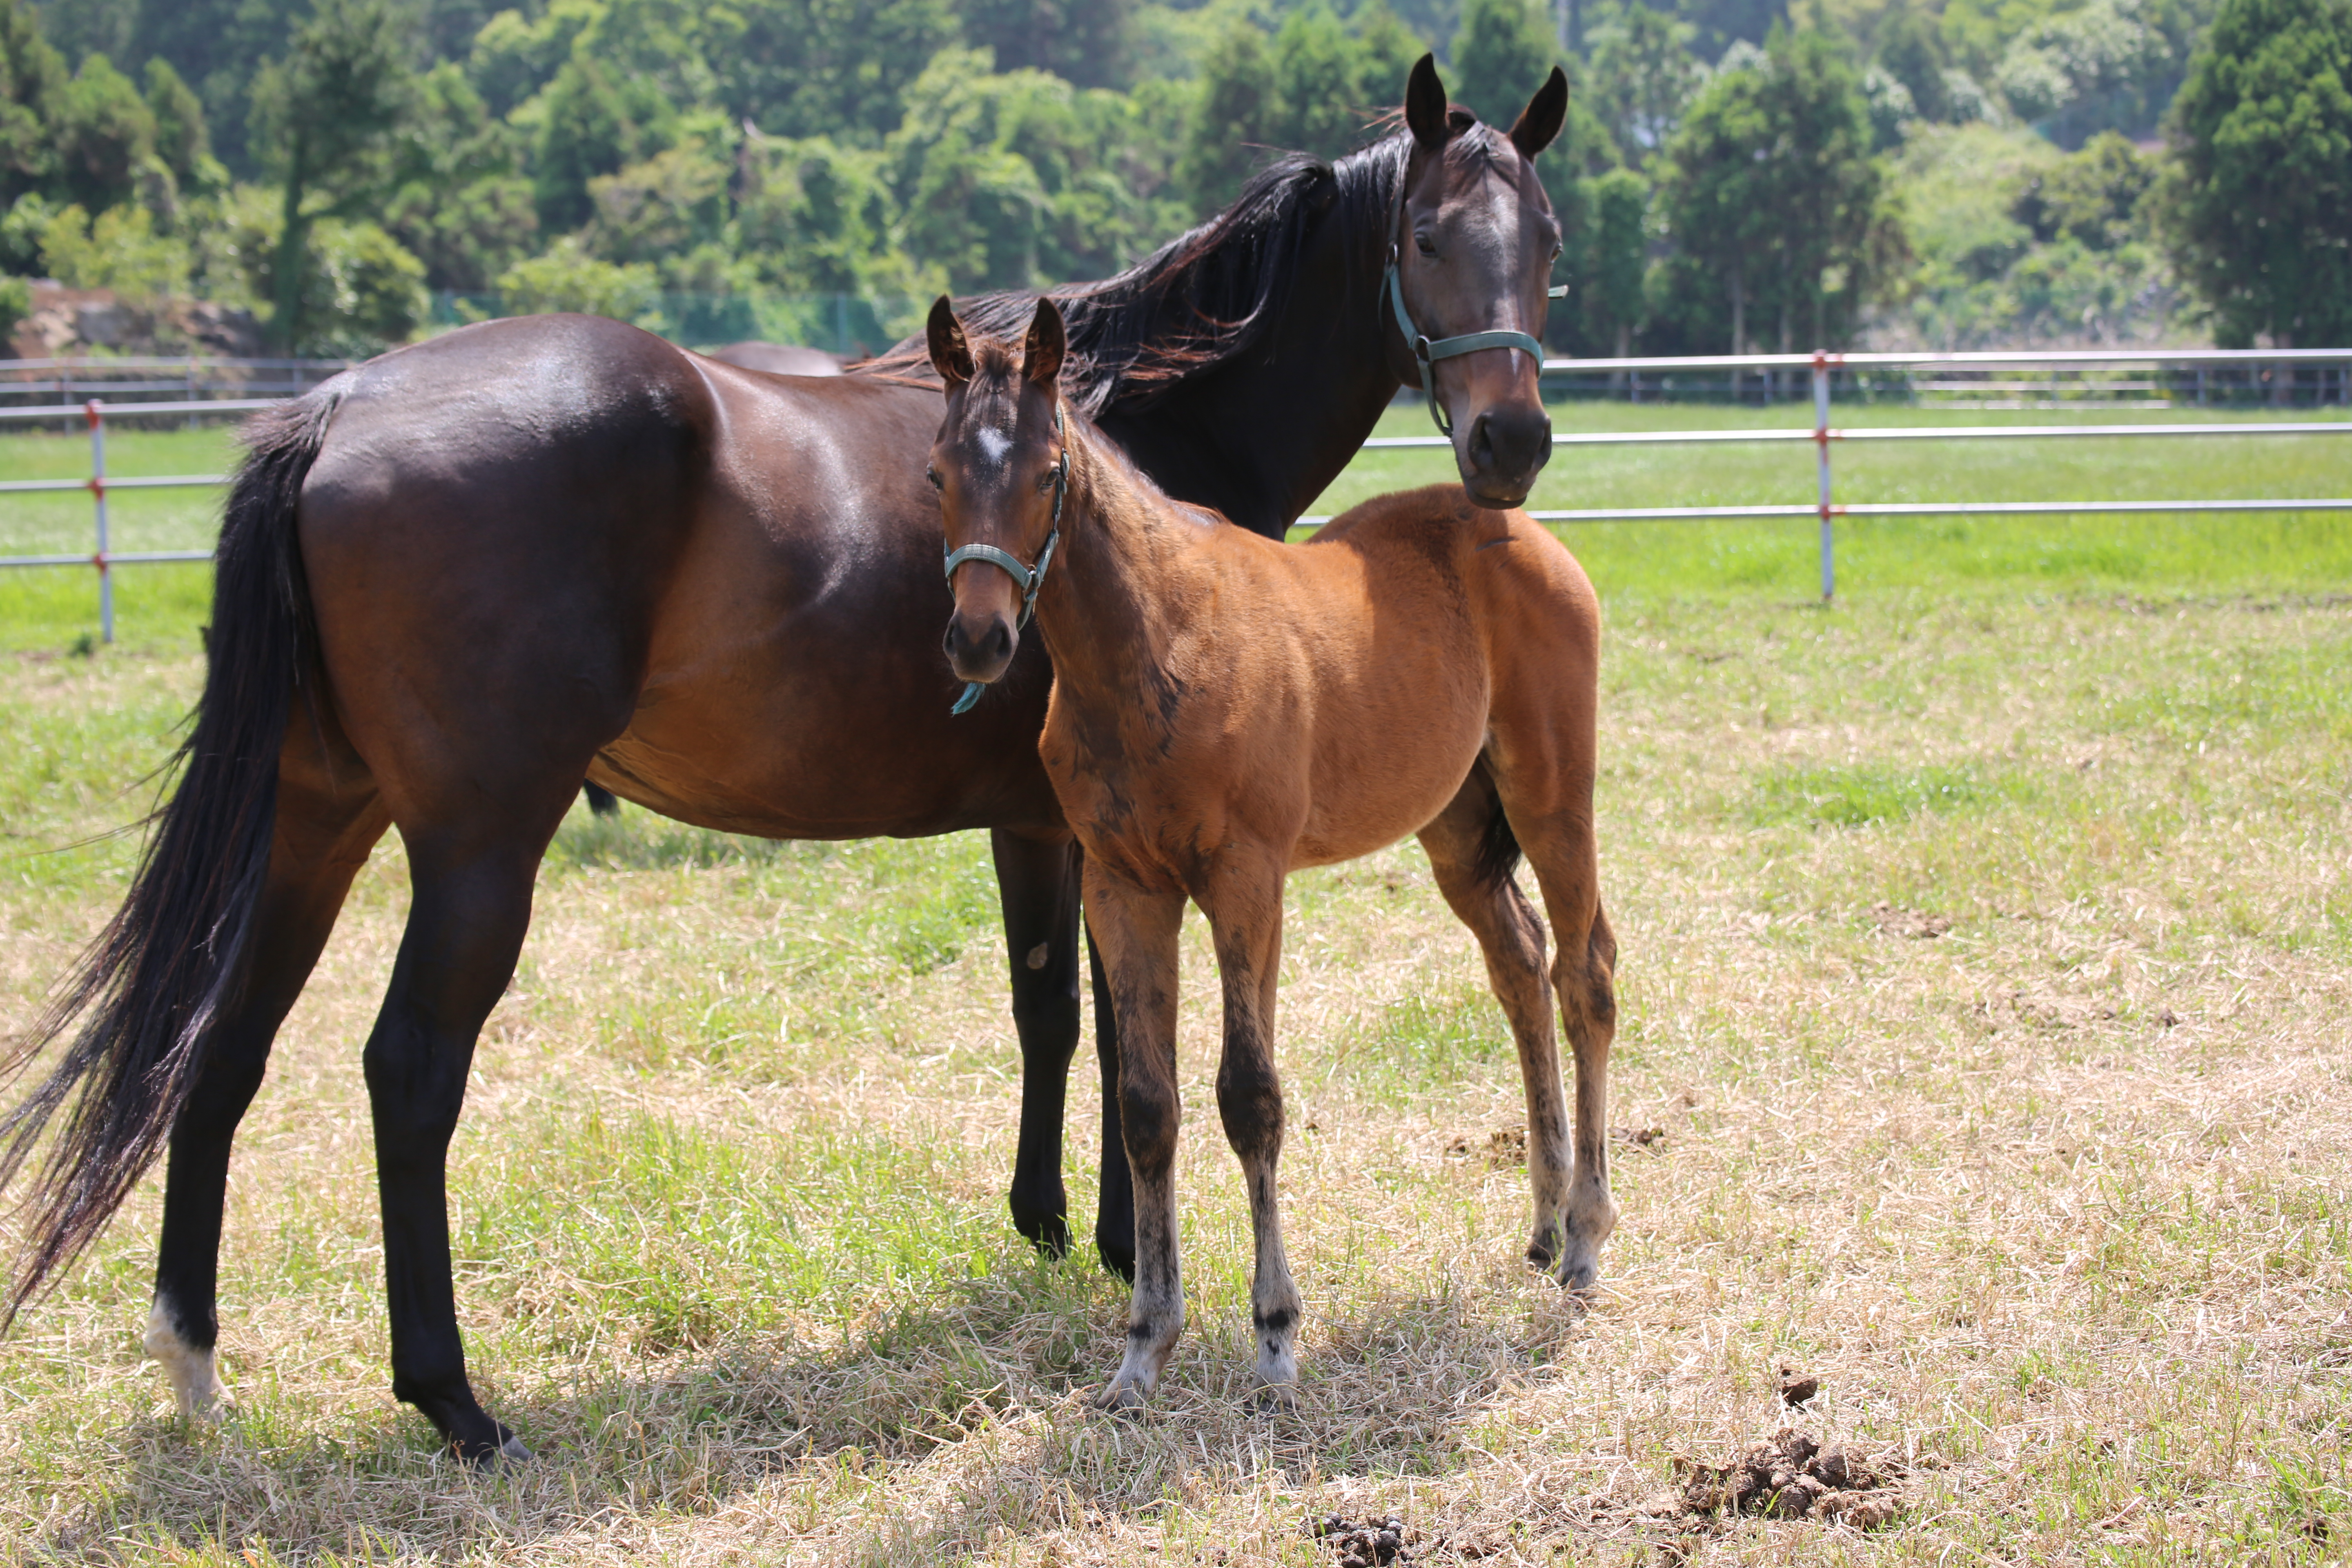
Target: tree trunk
<point>1738,322</point>
<point>286,321</point>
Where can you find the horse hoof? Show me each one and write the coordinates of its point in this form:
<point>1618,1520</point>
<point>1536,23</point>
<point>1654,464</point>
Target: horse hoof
<point>512,1452</point>
<point>1121,1399</point>
<point>1048,1233</point>
<point>1275,1399</point>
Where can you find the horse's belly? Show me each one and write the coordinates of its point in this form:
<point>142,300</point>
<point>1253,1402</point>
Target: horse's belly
<point>1375,795</point>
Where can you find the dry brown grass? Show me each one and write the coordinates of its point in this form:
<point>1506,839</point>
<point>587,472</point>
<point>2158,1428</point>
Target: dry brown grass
<point>1987,976</point>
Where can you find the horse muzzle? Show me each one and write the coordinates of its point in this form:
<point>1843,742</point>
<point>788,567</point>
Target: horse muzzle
<point>980,646</point>
<point>1500,451</point>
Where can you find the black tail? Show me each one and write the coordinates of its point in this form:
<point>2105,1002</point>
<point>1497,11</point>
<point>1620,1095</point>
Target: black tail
<point>170,961</point>
<point>1498,848</point>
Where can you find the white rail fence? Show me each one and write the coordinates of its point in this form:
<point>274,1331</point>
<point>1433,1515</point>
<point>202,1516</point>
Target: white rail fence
<point>126,375</point>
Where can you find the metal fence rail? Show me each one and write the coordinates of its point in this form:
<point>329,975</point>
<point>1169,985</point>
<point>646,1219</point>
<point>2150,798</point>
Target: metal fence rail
<point>38,375</point>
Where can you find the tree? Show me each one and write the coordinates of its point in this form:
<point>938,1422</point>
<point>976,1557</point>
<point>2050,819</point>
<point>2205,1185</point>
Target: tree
<point>1502,53</point>
<point>1642,73</point>
<point>1618,254</point>
<point>1087,42</point>
<point>1234,118</point>
<point>837,69</point>
<point>1912,52</point>
<point>32,75</point>
<point>104,136</point>
<point>593,120</point>
<point>2258,198</point>
<point>326,112</point>
<point>182,141</point>
<point>1771,197</point>
<point>459,202</point>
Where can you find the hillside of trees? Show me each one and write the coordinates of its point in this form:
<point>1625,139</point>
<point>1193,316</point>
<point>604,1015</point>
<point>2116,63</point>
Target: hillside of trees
<point>353,173</point>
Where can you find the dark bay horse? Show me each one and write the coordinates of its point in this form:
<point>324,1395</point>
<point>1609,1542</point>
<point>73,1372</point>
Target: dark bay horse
<point>460,579</point>
<point>1227,709</point>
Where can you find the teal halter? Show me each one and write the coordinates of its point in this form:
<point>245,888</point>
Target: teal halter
<point>1425,354</point>
<point>1028,578</point>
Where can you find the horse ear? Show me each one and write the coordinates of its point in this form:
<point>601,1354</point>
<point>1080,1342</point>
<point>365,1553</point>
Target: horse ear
<point>950,353</point>
<point>1040,354</point>
<point>1540,120</point>
<point>1424,105</point>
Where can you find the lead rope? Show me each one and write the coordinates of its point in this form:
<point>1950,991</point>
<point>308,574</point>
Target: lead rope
<point>1029,578</point>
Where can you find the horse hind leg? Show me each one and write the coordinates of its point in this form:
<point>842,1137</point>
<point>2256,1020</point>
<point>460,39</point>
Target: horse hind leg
<point>1471,853</point>
<point>328,819</point>
<point>1550,814</point>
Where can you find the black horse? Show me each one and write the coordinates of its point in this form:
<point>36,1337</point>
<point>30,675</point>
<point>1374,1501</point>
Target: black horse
<point>455,583</point>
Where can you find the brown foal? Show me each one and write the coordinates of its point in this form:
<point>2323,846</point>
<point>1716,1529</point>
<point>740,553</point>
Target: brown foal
<point>1225,709</point>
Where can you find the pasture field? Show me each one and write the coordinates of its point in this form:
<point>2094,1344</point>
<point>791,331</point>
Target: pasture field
<point>1985,1054</point>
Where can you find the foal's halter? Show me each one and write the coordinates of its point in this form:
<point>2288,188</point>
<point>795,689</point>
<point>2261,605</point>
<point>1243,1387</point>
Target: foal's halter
<point>1029,579</point>
<point>1427,352</point>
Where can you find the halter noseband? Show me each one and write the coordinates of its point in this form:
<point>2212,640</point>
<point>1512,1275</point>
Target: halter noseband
<point>1029,579</point>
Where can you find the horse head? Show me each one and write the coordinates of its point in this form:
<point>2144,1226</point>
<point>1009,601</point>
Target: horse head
<point>1465,297</point>
<point>1001,470</point>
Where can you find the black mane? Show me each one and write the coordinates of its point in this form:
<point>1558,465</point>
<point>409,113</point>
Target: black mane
<point>1202,299</point>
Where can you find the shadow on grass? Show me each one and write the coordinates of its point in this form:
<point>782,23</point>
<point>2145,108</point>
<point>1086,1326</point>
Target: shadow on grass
<point>935,1432</point>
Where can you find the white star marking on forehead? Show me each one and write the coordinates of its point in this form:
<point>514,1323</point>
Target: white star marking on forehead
<point>994,445</point>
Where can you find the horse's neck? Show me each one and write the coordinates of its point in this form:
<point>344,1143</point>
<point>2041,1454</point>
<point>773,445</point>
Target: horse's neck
<point>1259,439</point>
<point>1124,572</point>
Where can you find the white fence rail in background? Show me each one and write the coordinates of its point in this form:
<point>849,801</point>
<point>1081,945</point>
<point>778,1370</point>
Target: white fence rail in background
<point>297,376</point>
<point>1822,367</point>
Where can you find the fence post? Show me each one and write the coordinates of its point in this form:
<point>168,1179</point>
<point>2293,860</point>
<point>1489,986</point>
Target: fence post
<point>95,412</point>
<point>1822,445</point>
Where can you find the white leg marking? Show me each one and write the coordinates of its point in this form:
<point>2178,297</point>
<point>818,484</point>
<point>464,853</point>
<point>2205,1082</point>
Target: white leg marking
<point>193,1381</point>
<point>1038,955</point>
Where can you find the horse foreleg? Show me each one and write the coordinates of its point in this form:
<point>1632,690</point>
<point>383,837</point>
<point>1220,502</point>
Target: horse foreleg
<point>466,927</point>
<point>328,818</point>
<point>1245,913</point>
<point>1138,932</point>
<point>1115,1208</point>
<point>1037,886</point>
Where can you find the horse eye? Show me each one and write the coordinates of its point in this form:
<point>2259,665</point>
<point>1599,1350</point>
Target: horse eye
<point>1556,248</point>
<point>933,476</point>
<point>1425,245</point>
<point>1045,482</point>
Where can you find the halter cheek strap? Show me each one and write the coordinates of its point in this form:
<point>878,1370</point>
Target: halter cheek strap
<point>1028,578</point>
<point>1426,353</point>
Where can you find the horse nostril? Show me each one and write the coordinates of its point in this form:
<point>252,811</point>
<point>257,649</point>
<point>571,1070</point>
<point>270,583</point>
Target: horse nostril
<point>1482,442</point>
<point>999,641</point>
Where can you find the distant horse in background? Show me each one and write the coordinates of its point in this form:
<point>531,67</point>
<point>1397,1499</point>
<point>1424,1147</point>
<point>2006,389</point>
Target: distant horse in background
<point>777,359</point>
<point>458,581</point>
<point>1228,709</point>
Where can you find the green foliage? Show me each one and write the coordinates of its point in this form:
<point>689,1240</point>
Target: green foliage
<point>1857,797</point>
<point>326,113</point>
<point>593,120</point>
<point>837,69</point>
<point>356,290</point>
<point>2259,199</point>
<point>1239,100</point>
<point>119,251</point>
<point>32,77</point>
<point>1501,54</point>
<point>182,141</point>
<point>1911,51</point>
<point>1087,42</point>
<point>1774,204</point>
<point>1641,75</point>
<point>567,277</point>
<point>816,216</point>
<point>1616,257</point>
<point>459,200</point>
<point>15,304</point>
<point>103,134</point>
